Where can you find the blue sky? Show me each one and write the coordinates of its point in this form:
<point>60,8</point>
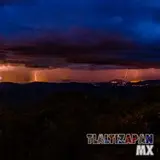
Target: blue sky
<point>137,19</point>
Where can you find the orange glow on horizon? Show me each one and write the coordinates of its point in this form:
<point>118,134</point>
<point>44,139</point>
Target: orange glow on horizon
<point>135,81</point>
<point>21,74</point>
<point>6,67</point>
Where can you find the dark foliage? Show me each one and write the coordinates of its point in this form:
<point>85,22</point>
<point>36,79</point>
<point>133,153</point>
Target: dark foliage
<point>52,124</point>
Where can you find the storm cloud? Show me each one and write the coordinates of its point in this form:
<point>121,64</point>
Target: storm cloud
<point>53,26</point>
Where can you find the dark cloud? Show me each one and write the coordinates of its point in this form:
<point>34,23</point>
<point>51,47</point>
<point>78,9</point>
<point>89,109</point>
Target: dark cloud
<point>112,50</point>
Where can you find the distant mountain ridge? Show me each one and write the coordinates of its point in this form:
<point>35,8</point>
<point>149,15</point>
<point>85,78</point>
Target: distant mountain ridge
<point>31,94</point>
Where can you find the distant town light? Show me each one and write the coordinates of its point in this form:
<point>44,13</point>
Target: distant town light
<point>118,82</point>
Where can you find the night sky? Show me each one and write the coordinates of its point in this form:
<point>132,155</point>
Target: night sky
<point>133,23</point>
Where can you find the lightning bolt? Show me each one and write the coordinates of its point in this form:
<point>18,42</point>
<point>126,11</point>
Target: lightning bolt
<point>35,78</point>
<point>126,74</point>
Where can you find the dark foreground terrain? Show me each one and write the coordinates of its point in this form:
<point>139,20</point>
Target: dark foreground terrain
<point>50,121</point>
